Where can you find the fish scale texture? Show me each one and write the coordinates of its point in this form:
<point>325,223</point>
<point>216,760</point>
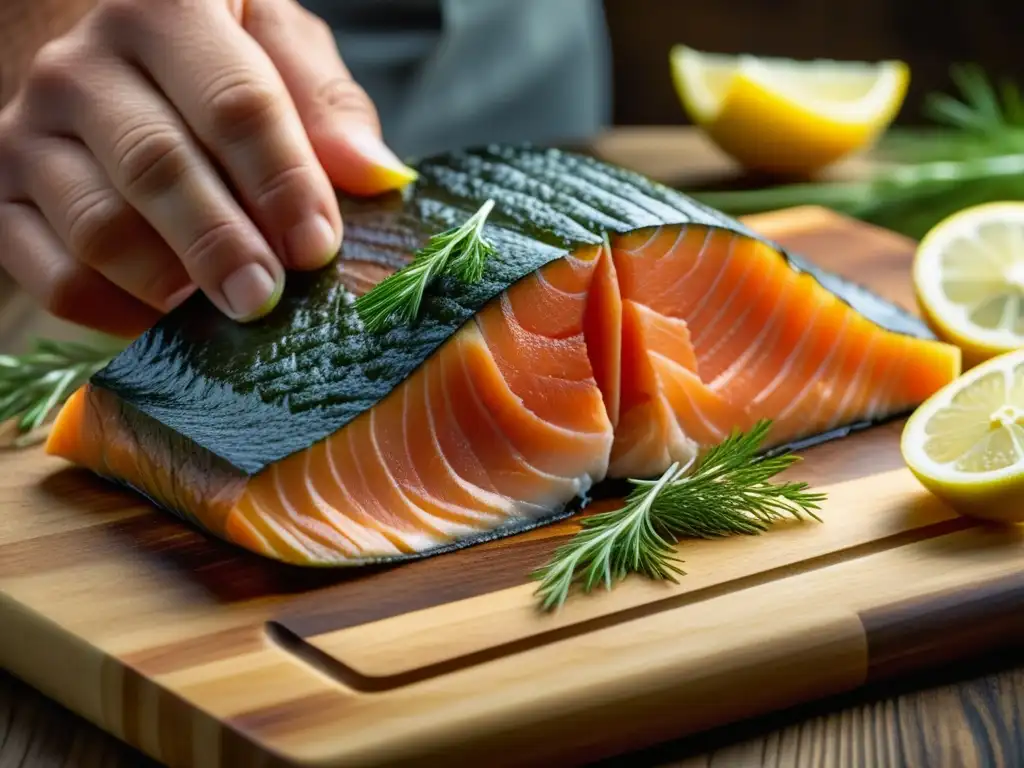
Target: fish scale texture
<point>254,394</point>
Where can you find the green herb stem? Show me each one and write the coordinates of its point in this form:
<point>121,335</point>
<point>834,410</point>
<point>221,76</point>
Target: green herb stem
<point>33,384</point>
<point>459,252</point>
<point>974,154</point>
<point>833,195</point>
<point>888,185</point>
<point>727,493</point>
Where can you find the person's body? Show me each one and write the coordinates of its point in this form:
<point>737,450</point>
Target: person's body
<point>157,147</point>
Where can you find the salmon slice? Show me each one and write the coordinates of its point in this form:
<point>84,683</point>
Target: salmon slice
<point>504,423</point>
<point>648,438</point>
<point>731,334</point>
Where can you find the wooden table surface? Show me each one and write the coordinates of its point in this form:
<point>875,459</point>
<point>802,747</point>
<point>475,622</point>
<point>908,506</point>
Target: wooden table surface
<point>966,716</point>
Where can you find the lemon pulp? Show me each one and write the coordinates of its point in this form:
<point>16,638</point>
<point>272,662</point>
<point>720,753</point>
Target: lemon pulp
<point>966,442</point>
<point>982,429</point>
<point>969,278</point>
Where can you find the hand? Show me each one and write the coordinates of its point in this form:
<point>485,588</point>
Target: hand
<point>162,147</point>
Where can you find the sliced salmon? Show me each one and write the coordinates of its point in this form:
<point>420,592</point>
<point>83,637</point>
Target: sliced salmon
<point>506,422</point>
<point>733,334</point>
<point>612,362</point>
<point>618,327</point>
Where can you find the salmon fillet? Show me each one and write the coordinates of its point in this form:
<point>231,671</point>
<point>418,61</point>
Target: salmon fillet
<point>613,360</point>
<point>605,364</point>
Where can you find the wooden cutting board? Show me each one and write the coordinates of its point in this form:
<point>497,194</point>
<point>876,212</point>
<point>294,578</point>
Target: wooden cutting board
<point>200,654</point>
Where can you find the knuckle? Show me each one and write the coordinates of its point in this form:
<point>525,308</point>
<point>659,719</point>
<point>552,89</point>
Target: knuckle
<point>241,106</point>
<point>127,20</point>
<point>98,222</point>
<point>152,158</point>
<point>288,183</point>
<point>204,255</point>
<point>54,73</point>
<point>343,95</point>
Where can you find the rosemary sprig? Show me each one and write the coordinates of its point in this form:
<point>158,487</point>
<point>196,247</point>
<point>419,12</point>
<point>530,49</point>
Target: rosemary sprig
<point>727,492</point>
<point>33,384</point>
<point>460,252</point>
<point>973,153</point>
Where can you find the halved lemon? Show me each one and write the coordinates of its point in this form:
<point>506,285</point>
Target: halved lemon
<point>785,115</point>
<point>969,279</point>
<point>966,442</point>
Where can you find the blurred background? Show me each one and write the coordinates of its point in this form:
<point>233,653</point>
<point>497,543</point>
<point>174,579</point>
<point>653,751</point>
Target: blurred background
<point>957,139</point>
<point>927,34</point>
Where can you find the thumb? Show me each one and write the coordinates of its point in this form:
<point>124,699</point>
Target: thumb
<point>339,117</point>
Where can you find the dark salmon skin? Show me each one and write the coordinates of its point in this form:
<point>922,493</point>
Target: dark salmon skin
<point>621,326</point>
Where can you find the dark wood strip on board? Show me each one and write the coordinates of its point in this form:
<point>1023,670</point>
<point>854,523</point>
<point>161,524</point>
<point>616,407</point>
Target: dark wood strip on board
<point>928,633</point>
<point>974,723</point>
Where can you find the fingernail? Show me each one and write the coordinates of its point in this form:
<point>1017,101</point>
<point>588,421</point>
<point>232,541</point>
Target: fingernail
<point>394,171</point>
<point>250,292</point>
<point>311,244</point>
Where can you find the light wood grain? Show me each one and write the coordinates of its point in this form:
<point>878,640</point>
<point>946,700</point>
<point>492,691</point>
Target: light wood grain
<point>976,722</point>
<point>198,653</point>
<point>972,723</point>
<point>890,507</point>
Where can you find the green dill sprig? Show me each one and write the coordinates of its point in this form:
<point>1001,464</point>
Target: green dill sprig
<point>33,384</point>
<point>460,252</point>
<point>984,109</point>
<point>727,493</point>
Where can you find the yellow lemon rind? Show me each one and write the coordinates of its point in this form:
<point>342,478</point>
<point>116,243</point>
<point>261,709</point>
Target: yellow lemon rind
<point>977,344</point>
<point>997,495</point>
<point>771,128</point>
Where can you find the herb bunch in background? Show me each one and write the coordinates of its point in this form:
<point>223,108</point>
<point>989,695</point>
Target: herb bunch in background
<point>973,153</point>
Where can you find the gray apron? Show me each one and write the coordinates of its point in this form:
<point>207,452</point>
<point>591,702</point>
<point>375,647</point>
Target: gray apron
<point>453,73</point>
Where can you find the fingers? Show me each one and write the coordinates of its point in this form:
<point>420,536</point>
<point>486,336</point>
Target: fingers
<point>35,257</point>
<point>99,228</point>
<point>339,117</point>
<point>154,162</point>
<point>188,143</point>
<point>234,101</point>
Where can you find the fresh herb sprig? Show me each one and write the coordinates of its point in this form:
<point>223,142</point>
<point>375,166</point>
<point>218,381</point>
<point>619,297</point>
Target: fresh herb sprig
<point>727,492</point>
<point>973,153</point>
<point>460,252</point>
<point>33,384</point>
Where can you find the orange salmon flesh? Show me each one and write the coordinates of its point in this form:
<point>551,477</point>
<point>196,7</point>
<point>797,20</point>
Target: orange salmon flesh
<point>612,363</point>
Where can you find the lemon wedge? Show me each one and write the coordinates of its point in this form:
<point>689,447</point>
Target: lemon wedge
<point>969,279</point>
<point>966,442</point>
<point>784,115</point>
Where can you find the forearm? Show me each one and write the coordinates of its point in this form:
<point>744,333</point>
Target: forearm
<point>25,25</point>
